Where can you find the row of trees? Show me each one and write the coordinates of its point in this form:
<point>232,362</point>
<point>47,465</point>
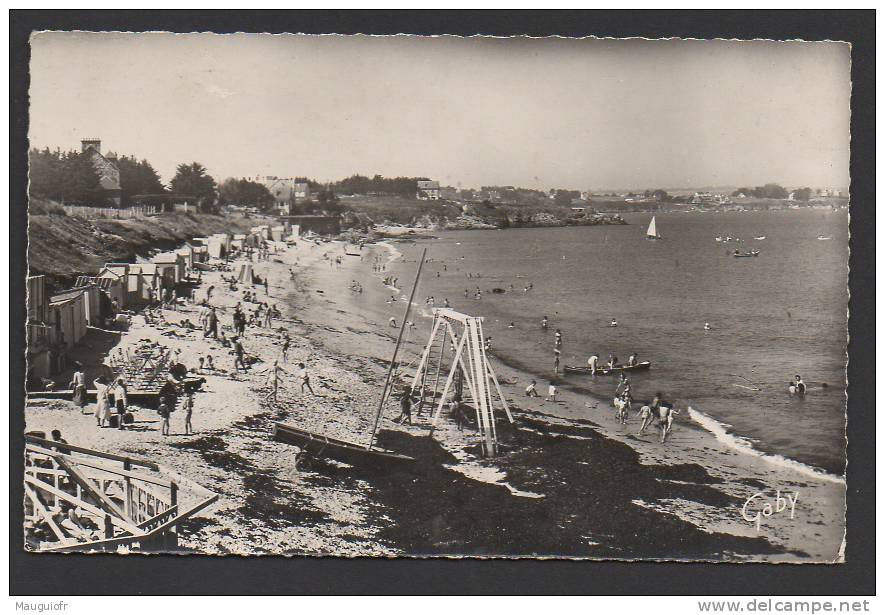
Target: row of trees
<point>361,184</point>
<point>71,177</point>
<point>63,176</point>
<point>768,191</point>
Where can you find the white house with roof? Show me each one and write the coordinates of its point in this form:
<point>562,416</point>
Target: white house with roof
<point>428,190</point>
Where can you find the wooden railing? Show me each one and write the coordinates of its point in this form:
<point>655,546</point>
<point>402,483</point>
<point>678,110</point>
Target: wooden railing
<point>135,509</point>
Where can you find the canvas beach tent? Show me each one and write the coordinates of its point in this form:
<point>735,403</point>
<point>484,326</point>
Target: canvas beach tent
<point>243,272</point>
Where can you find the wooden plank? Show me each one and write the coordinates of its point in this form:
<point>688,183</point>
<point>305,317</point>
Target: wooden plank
<point>50,444</point>
<point>98,512</point>
<point>108,505</point>
<point>162,518</point>
<point>45,514</point>
<point>110,469</point>
<point>141,538</point>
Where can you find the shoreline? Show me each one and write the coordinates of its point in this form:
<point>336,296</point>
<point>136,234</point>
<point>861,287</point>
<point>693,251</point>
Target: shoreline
<point>347,348</point>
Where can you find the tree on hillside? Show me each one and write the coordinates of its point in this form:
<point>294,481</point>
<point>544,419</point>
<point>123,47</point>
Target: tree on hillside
<point>563,198</point>
<point>802,194</point>
<point>244,192</point>
<point>137,177</point>
<point>193,180</point>
<point>771,191</point>
<point>328,201</point>
<point>67,177</point>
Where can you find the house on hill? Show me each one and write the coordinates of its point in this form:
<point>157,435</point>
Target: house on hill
<point>106,167</point>
<point>428,190</point>
<point>285,191</point>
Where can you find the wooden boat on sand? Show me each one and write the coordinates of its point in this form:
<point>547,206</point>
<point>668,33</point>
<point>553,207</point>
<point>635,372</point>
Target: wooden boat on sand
<point>605,370</point>
<point>320,445</point>
<point>352,453</point>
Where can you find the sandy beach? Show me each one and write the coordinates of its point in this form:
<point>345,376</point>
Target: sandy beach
<point>570,481</point>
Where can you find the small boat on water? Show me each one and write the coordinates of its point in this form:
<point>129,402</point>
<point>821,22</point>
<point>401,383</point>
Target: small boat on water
<point>759,238</point>
<point>606,370</point>
<point>652,232</point>
<point>750,254</point>
<point>824,237</point>
<point>727,238</point>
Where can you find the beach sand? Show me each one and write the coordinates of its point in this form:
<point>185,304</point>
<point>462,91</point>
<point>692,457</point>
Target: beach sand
<point>570,481</point>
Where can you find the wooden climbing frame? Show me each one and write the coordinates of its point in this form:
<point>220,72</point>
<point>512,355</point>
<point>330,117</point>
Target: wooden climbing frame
<point>469,366</point>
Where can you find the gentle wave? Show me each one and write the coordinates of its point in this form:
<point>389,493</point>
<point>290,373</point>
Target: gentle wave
<point>743,445</point>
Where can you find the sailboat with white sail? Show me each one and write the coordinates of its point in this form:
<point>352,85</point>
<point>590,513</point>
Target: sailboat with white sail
<point>652,232</point>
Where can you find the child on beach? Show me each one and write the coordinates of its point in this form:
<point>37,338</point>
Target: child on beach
<point>531,391</point>
<point>285,348</point>
<point>304,379</point>
<point>168,402</point>
<point>120,400</point>
<point>551,392</point>
<point>238,355</point>
<point>273,379</point>
<point>188,411</point>
<point>405,404</point>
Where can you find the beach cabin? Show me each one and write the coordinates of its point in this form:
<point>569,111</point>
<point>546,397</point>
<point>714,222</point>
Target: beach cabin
<point>67,317</point>
<point>201,254</point>
<point>277,233</point>
<point>187,253</point>
<point>215,249</point>
<point>170,266</point>
<point>225,238</point>
<point>149,282</point>
<point>91,302</point>
<point>39,355</point>
<point>119,290</point>
<point>238,242</point>
<point>131,282</point>
<point>262,231</point>
<point>110,289</point>
<point>243,272</point>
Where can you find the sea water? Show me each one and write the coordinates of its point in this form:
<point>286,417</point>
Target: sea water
<point>771,317</point>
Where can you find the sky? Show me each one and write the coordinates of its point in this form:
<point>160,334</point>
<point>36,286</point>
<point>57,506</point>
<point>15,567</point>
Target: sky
<point>583,114</point>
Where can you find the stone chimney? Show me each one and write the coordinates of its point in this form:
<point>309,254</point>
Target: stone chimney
<point>93,143</point>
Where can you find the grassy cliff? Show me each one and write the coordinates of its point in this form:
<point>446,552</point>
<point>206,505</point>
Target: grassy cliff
<point>63,247</point>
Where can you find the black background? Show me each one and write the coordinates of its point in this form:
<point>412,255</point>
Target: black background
<point>47,574</point>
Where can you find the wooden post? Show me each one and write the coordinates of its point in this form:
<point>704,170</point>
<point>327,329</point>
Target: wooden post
<point>55,481</point>
<point>127,487</point>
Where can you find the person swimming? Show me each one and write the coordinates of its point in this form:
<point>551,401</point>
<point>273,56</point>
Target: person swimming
<point>707,326</point>
<point>614,323</point>
<point>544,322</point>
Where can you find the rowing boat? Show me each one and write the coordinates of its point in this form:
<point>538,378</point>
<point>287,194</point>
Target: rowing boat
<point>352,453</point>
<point>605,370</point>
